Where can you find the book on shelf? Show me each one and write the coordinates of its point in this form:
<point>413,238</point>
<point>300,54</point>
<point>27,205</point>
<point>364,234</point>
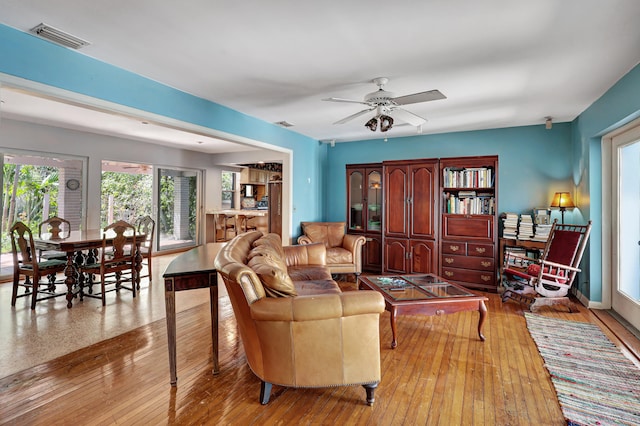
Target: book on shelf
<point>469,204</point>
<point>468,177</point>
<point>510,226</point>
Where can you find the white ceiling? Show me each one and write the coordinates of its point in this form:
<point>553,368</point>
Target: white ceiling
<point>501,63</point>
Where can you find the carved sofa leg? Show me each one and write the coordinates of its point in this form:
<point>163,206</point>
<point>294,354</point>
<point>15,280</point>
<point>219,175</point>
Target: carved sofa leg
<point>371,389</point>
<point>265,392</point>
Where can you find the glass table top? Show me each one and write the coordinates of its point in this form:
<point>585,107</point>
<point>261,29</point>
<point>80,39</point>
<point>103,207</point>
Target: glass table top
<point>416,287</point>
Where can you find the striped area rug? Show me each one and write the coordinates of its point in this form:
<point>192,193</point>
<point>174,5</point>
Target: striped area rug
<point>595,383</point>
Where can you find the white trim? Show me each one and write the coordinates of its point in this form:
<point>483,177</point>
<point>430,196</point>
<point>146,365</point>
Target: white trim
<point>608,198</point>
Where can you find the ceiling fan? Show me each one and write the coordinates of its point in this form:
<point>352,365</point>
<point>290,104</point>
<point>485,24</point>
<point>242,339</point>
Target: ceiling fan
<point>387,106</point>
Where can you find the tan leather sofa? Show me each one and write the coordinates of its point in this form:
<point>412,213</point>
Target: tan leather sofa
<point>297,328</point>
<point>344,251</point>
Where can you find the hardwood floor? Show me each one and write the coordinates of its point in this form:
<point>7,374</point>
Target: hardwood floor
<point>440,374</point>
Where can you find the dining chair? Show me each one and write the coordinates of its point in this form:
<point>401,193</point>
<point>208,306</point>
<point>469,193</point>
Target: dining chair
<point>146,226</point>
<point>117,255</point>
<point>57,228</point>
<point>25,263</point>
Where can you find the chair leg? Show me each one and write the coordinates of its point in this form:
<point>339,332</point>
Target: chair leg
<point>149,268</point>
<point>14,293</point>
<point>265,392</point>
<point>371,389</point>
<point>34,291</point>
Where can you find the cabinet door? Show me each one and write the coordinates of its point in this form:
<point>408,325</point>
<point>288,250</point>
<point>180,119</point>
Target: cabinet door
<point>423,257</point>
<point>355,199</point>
<point>396,190</point>
<point>373,200</point>
<point>396,255</point>
<point>423,204</point>
<point>372,253</point>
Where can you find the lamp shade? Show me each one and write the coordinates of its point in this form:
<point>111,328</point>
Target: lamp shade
<point>562,200</point>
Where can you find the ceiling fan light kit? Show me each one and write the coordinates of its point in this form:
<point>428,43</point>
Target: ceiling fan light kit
<point>387,104</point>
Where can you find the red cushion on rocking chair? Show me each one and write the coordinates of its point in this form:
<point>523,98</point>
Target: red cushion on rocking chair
<point>533,269</point>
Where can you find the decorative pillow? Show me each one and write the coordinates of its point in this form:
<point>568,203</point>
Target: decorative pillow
<point>270,240</point>
<point>269,253</point>
<point>276,281</point>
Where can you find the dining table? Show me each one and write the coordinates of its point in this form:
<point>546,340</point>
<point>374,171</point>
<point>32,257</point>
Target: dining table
<point>81,247</point>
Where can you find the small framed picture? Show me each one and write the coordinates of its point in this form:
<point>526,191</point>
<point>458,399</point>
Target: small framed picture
<point>542,215</point>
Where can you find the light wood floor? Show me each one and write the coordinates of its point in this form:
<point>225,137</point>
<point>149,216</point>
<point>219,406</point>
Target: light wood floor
<point>440,374</point>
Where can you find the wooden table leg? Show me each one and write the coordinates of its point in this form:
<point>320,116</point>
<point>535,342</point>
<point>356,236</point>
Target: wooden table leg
<point>170,304</point>
<point>213,294</point>
<point>394,340</point>
<point>482,308</point>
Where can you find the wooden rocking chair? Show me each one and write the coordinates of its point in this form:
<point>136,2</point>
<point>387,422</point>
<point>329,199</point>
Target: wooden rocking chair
<point>546,281</point>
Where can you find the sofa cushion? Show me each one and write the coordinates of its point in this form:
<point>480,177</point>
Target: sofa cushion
<point>314,287</point>
<point>308,273</point>
<point>329,233</point>
<point>275,279</point>
<point>338,255</point>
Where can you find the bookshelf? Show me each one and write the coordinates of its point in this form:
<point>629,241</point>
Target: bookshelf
<point>469,244</point>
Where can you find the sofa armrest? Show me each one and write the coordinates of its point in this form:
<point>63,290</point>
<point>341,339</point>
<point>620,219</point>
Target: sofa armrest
<point>318,307</point>
<point>303,239</point>
<point>305,254</point>
<point>353,243</point>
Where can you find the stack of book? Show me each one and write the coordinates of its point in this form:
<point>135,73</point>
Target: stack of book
<point>542,232</point>
<point>525,230</point>
<point>510,223</point>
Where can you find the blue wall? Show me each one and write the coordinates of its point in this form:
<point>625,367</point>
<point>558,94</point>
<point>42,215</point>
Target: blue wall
<point>533,162</point>
<point>26,56</point>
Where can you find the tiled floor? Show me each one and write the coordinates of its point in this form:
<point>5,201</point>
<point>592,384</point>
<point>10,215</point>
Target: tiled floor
<point>28,338</point>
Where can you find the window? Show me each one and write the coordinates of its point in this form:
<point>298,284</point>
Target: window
<point>228,190</point>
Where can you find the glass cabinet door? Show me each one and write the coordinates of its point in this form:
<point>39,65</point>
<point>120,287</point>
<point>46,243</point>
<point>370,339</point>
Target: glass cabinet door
<point>374,198</point>
<point>356,202</point>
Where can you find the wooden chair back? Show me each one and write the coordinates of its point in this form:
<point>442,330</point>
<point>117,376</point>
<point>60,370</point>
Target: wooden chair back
<point>58,227</point>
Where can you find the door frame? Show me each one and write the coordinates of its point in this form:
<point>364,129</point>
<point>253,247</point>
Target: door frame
<point>609,254</point>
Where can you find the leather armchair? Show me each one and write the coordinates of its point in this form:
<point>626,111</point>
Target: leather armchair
<point>344,251</point>
<point>309,340</point>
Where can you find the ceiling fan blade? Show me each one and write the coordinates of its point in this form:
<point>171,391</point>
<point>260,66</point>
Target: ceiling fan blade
<point>431,95</point>
<point>351,101</point>
<point>408,117</point>
<point>352,116</point>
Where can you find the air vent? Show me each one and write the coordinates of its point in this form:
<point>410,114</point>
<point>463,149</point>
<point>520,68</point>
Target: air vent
<point>55,35</point>
<point>283,124</point>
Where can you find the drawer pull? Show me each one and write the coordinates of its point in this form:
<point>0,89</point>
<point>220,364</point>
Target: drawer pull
<point>449,260</point>
<point>454,248</point>
<point>485,277</point>
<point>440,312</point>
<point>485,264</point>
<point>448,273</point>
<point>480,249</point>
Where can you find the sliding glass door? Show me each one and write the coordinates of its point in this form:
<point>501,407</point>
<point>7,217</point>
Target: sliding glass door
<point>36,186</point>
<point>178,205</point>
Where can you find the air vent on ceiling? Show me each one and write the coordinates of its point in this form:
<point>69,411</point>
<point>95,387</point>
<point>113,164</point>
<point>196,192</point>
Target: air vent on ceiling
<point>283,124</point>
<point>57,36</point>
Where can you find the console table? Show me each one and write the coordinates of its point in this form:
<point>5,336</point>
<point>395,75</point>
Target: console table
<point>191,270</point>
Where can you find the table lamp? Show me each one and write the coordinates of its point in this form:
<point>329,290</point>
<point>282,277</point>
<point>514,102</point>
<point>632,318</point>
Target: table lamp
<point>562,200</point>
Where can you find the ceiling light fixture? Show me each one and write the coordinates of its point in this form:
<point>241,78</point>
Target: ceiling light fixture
<point>386,122</point>
<point>372,124</point>
<point>548,123</point>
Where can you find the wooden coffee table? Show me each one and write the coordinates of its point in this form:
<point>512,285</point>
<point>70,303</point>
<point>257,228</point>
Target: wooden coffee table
<point>425,294</point>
